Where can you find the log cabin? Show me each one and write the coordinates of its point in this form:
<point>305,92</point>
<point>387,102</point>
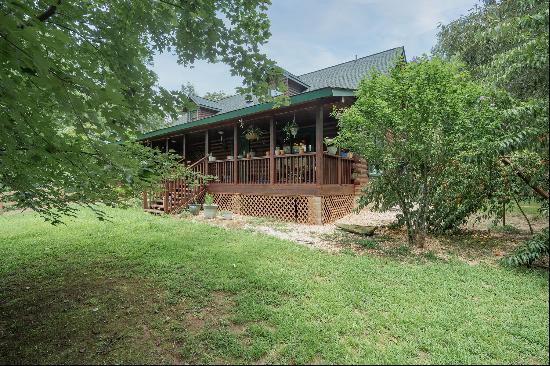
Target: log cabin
<point>272,162</point>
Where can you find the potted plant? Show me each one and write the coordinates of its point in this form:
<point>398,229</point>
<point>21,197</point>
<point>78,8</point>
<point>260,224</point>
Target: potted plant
<point>227,215</point>
<point>211,157</point>
<point>331,148</point>
<point>194,208</point>
<point>252,133</point>
<point>210,208</point>
<point>290,130</point>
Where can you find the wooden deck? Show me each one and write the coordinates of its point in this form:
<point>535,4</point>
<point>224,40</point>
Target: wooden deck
<point>311,186</point>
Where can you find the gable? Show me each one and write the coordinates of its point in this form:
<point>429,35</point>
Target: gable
<point>346,75</point>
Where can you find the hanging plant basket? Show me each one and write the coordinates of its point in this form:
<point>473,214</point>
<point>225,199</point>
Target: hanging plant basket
<point>251,136</point>
<point>252,133</point>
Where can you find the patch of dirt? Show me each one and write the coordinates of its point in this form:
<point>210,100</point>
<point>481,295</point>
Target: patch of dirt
<point>215,312</point>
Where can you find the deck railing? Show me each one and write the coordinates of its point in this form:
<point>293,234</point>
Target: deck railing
<point>221,169</point>
<point>254,170</point>
<point>172,194</point>
<point>337,169</point>
<point>289,169</point>
<point>295,169</point>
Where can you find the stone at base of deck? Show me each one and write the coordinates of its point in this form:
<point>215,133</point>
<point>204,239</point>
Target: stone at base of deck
<point>299,208</point>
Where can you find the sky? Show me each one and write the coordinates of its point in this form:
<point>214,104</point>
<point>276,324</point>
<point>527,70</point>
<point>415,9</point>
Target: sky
<point>308,35</point>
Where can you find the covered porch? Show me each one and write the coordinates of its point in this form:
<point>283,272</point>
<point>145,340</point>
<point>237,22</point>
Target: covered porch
<point>275,163</point>
<point>268,153</point>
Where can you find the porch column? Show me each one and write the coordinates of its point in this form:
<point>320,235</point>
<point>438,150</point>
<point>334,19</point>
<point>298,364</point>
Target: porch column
<point>319,143</point>
<point>235,153</point>
<point>339,166</point>
<point>272,136</point>
<point>166,144</point>
<point>184,143</point>
<point>206,143</point>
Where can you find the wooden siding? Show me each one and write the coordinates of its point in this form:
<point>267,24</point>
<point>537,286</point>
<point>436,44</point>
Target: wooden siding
<point>293,88</point>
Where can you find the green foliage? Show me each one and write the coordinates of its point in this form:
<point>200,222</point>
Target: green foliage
<point>504,44</point>
<point>534,249</point>
<point>421,126</point>
<point>75,80</point>
<point>368,244</point>
<point>208,199</point>
<point>215,96</point>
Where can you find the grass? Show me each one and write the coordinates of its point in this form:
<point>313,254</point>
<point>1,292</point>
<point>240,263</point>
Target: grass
<point>146,289</point>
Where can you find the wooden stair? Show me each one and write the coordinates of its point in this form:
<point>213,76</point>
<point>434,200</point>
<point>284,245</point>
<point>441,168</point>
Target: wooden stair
<point>176,193</point>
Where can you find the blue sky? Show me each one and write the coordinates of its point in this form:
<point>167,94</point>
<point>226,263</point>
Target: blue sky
<point>308,35</point>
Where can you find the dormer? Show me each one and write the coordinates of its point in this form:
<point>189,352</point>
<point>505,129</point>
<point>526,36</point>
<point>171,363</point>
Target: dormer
<point>205,108</point>
<point>294,84</point>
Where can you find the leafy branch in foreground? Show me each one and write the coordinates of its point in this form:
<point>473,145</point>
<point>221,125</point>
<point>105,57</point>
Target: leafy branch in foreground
<point>76,78</point>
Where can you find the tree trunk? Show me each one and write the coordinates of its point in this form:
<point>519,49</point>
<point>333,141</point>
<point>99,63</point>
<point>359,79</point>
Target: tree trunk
<point>524,215</point>
<point>527,181</point>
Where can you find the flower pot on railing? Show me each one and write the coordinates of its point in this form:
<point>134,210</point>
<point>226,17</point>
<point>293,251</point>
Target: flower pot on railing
<point>287,149</point>
<point>332,150</point>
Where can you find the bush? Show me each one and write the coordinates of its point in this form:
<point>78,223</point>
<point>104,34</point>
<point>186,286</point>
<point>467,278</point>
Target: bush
<point>534,249</point>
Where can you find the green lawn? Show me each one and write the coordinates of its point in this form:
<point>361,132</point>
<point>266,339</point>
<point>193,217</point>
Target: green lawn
<point>162,290</point>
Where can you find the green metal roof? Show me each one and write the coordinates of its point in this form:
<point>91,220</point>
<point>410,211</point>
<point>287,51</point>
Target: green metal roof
<point>296,99</point>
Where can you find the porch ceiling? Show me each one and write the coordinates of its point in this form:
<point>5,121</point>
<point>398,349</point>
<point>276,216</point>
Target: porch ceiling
<point>294,100</point>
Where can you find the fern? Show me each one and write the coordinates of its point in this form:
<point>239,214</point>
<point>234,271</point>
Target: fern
<point>533,249</point>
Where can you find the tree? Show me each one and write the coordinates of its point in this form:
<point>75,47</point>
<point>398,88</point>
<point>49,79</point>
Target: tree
<point>420,125</point>
<point>215,96</point>
<point>75,80</point>
<point>505,45</point>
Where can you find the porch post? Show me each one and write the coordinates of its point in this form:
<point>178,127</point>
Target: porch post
<point>166,144</point>
<point>272,150</point>
<point>319,143</point>
<point>206,143</point>
<point>235,153</point>
<point>184,143</point>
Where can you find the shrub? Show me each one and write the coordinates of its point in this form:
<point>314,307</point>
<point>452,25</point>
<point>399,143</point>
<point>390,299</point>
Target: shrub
<point>534,249</point>
<point>421,126</point>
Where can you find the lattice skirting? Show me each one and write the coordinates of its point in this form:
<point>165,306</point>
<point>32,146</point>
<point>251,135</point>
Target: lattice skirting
<point>336,207</point>
<point>302,209</point>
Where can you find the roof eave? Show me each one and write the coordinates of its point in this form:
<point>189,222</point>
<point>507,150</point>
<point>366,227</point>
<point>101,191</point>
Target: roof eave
<point>247,111</point>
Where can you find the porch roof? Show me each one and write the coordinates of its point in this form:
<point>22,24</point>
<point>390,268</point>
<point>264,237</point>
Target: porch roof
<point>253,109</point>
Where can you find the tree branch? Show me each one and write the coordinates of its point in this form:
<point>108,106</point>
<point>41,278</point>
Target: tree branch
<point>48,13</point>
<point>523,177</point>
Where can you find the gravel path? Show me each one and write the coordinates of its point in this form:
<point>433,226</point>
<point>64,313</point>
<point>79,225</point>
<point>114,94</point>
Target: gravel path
<point>313,236</point>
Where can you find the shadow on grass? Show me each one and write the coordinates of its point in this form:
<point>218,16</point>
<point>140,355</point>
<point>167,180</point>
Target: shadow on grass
<point>81,315</point>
